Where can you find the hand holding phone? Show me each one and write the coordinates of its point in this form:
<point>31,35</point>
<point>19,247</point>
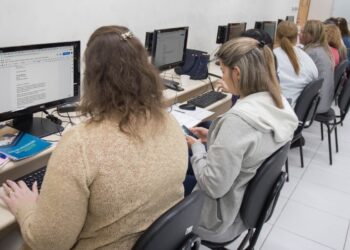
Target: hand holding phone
<point>188,132</point>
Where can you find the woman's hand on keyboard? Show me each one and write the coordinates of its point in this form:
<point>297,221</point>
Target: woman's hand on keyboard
<point>18,194</point>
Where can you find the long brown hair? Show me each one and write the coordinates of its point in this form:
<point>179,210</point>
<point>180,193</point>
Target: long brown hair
<point>256,63</point>
<point>334,40</point>
<point>343,26</point>
<point>316,31</point>
<point>286,37</point>
<point>119,82</point>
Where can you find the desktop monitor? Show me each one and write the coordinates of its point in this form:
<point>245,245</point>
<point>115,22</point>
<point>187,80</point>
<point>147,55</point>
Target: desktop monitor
<point>270,28</point>
<point>169,47</point>
<point>258,25</point>
<point>229,31</point>
<point>235,30</point>
<point>290,18</point>
<point>35,78</point>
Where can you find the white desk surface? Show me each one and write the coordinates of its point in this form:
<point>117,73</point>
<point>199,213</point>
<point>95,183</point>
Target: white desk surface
<point>14,170</point>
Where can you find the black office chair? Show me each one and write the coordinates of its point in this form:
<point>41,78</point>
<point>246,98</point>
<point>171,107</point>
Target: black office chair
<point>339,77</point>
<point>260,198</point>
<point>173,229</point>
<point>305,109</point>
<point>331,120</point>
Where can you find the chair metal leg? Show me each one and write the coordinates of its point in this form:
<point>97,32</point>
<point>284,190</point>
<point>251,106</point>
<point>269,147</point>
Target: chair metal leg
<point>321,124</point>
<point>301,155</point>
<point>329,144</point>
<point>246,239</point>
<point>336,138</point>
<point>287,169</point>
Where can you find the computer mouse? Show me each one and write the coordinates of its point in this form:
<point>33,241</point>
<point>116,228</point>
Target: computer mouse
<point>187,106</point>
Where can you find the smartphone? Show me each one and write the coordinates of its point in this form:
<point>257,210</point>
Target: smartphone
<point>188,132</point>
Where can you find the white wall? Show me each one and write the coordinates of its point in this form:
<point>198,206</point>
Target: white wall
<point>341,8</point>
<point>41,21</point>
<point>321,9</point>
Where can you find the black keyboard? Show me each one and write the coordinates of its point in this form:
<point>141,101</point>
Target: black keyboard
<point>206,99</point>
<point>37,175</point>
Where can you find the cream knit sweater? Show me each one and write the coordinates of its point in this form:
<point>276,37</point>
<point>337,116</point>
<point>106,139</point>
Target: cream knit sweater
<point>103,189</point>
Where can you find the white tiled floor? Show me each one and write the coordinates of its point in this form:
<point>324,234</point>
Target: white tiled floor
<point>313,211</point>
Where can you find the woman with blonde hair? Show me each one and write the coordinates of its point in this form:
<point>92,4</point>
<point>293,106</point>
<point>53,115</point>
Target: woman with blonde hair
<point>313,36</point>
<point>111,177</point>
<point>295,68</point>
<point>335,42</point>
<point>239,141</point>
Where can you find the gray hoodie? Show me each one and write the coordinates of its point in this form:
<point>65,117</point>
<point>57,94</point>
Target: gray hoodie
<point>238,142</point>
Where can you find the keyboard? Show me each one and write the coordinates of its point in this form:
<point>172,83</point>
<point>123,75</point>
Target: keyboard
<point>37,175</point>
<point>207,99</point>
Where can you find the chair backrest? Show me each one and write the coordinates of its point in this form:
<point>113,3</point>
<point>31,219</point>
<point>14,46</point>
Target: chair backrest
<point>344,100</point>
<point>339,74</point>
<point>173,229</point>
<point>262,192</point>
<point>307,102</point>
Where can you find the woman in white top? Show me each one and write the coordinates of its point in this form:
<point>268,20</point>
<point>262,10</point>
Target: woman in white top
<point>295,69</point>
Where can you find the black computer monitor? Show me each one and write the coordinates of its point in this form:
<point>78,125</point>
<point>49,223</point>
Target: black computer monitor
<point>230,31</point>
<point>270,28</point>
<point>35,78</point>
<point>235,30</point>
<point>258,25</point>
<point>168,47</point>
<point>290,18</point>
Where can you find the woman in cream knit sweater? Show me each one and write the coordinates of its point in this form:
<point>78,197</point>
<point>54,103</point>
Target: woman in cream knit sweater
<point>111,177</point>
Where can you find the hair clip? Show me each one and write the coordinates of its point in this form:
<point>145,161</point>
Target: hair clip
<point>127,35</point>
<point>261,44</point>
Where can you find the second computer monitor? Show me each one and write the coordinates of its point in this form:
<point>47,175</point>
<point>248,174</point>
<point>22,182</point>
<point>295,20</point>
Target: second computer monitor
<point>290,18</point>
<point>235,30</point>
<point>169,47</point>
<point>230,31</point>
<point>268,27</point>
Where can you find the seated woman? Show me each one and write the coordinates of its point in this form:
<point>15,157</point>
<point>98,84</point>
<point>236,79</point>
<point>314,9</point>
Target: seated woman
<point>345,33</point>
<point>241,139</point>
<point>111,177</point>
<point>295,68</point>
<point>335,42</point>
<point>257,34</point>
<point>313,36</point>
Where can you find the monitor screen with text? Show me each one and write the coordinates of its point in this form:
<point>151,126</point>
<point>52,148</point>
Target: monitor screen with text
<point>33,77</point>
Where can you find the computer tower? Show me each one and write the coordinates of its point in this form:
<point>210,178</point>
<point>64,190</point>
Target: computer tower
<point>149,42</point>
<point>221,35</point>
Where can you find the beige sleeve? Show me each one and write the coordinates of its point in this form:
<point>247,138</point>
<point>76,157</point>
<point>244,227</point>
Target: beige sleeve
<point>58,218</point>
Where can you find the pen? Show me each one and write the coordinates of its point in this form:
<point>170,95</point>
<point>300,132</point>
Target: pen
<point>179,111</point>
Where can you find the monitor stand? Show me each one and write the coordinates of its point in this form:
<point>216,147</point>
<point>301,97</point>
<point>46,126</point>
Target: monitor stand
<point>37,126</point>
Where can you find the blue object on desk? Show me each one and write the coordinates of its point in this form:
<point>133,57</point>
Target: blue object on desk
<point>25,145</point>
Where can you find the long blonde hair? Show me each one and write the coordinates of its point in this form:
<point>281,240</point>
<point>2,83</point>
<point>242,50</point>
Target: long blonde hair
<point>286,37</point>
<point>315,29</point>
<point>257,65</point>
<point>335,40</point>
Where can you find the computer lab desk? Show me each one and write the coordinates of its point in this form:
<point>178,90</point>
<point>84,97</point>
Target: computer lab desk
<point>13,170</point>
